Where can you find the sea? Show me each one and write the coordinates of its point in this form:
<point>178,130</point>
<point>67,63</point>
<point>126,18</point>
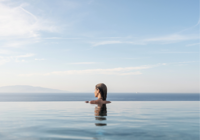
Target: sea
<point>129,116</point>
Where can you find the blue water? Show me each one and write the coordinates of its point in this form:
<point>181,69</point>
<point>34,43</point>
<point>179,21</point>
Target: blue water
<point>90,96</point>
<point>120,120</point>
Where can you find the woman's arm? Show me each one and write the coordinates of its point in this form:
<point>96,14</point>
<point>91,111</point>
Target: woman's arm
<point>97,102</point>
<point>106,102</point>
<point>93,102</point>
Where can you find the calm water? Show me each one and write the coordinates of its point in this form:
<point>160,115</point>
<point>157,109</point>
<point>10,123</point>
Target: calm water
<point>120,120</point>
<point>90,96</point>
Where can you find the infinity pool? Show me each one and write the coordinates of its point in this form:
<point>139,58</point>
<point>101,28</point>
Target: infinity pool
<point>120,120</point>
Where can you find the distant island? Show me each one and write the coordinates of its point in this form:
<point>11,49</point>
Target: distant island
<point>28,89</point>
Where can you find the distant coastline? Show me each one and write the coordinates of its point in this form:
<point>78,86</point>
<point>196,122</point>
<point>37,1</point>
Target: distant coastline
<point>28,89</point>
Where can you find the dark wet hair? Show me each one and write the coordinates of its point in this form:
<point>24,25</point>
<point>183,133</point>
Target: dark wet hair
<point>103,90</point>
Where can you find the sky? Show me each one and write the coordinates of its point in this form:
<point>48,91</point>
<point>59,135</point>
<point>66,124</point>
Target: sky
<point>147,46</point>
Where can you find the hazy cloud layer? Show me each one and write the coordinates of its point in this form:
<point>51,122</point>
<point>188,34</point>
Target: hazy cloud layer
<point>18,22</point>
<point>161,39</point>
<point>112,71</point>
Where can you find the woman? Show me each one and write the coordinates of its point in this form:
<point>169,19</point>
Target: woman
<point>101,94</point>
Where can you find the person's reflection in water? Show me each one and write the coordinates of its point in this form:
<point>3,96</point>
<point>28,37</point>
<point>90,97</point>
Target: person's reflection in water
<point>100,113</point>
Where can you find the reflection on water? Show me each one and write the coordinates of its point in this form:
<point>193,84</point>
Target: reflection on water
<point>116,121</point>
<point>100,113</point>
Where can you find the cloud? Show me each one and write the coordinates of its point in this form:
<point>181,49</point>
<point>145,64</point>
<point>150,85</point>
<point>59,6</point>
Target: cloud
<point>77,63</point>
<point>2,51</point>
<point>174,37</point>
<point>18,22</point>
<point>194,44</point>
<point>18,58</point>
<point>188,62</point>
<point>113,71</point>
<point>99,43</point>
<point>185,63</point>
<point>162,39</point>
<point>131,73</point>
<point>106,42</point>
<point>3,60</point>
<point>117,71</point>
<point>39,59</point>
<point>59,38</point>
<point>26,55</point>
<point>173,52</point>
<point>16,43</point>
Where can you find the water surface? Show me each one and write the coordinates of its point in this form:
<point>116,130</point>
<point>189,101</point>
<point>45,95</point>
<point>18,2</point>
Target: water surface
<point>5,97</point>
<point>120,120</point>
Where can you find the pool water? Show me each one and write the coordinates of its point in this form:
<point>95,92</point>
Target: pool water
<point>120,120</point>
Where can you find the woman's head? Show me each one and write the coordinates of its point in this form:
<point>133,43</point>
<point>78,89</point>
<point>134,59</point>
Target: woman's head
<point>102,90</point>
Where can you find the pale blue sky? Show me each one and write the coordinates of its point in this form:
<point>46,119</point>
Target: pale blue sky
<point>131,45</point>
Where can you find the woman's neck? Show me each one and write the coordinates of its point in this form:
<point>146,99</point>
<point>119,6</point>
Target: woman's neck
<point>99,96</point>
